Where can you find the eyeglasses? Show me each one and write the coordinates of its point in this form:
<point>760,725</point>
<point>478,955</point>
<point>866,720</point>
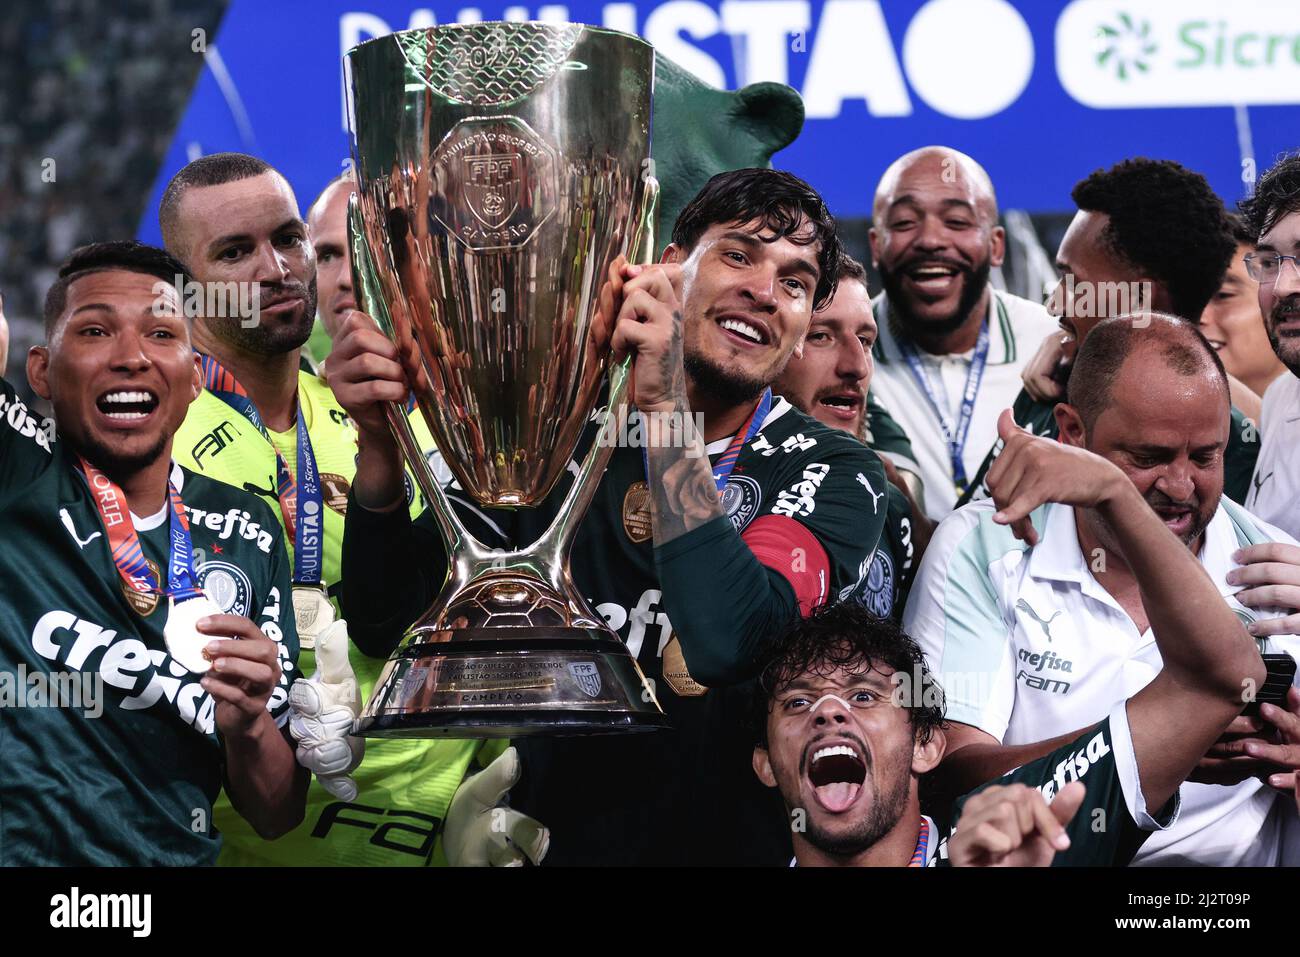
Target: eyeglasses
<point>1266,267</point>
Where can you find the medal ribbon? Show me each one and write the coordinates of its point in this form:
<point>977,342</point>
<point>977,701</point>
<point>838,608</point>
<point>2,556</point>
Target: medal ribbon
<point>124,542</point>
<point>727,461</point>
<point>304,494</point>
<point>922,845</point>
<point>956,438</point>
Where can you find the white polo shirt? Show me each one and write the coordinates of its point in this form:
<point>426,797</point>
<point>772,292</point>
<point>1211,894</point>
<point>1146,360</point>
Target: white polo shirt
<point>1275,488</point>
<point>1027,645</point>
<point>1017,328</point>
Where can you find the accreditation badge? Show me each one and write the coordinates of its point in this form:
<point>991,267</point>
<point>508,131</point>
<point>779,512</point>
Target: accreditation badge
<point>181,633</point>
<point>636,512</point>
<point>312,613</point>
<point>675,673</point>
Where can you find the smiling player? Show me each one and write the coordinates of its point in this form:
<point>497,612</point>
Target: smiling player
<point>114,547</point>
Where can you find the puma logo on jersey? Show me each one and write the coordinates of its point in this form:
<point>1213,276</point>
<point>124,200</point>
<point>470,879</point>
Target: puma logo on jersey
<point>1259,481</point>
<point>214,442</point>
<point>72,530</point>
<point>875,497</point>
<point>1045,625</point>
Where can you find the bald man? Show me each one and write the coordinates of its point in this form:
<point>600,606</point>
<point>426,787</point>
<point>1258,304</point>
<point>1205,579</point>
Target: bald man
<point>1041,614</point>
<point>951,347</point>
<point>327,225</point>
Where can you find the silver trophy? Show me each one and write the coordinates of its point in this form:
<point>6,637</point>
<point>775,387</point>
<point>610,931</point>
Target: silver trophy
<point>501,168</point>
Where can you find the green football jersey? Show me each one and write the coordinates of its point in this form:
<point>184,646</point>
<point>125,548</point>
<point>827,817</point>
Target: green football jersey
<point>686,795</point>
<point>1238,458</point>
<point>403,787</point>
<point>1113,822</point>
<point>125,770</point>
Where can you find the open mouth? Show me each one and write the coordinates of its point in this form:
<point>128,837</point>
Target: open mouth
<point>933,277</point>
<point>127,406</point>
<point>837,773</point>
<point>842,405</point>
<point>745,330</point>
<point>1177,517</point>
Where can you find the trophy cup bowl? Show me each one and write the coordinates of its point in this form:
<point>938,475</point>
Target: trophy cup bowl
<point>501,167</point>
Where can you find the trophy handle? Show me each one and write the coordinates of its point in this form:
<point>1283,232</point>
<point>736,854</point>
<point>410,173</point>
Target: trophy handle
<point>556,541</point>
<point>366,283</point>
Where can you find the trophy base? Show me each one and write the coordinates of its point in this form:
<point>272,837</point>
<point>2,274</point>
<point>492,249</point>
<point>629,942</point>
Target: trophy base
<point>476,683</point>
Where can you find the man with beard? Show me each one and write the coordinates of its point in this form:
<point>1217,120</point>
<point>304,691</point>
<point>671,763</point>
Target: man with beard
<point>951,347</point>
<point>1052,621</point>
<point>849,718</point>
<point>829,381</point>
<point>1273,216</point>
<point>1149,235</point>
<point>695,547</point>
<point>149,704</point>
<point>265,425</point>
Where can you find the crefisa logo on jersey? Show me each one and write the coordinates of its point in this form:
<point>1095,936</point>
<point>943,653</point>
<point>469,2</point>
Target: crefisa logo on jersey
<point>740,500</point>
<point>227,585</point>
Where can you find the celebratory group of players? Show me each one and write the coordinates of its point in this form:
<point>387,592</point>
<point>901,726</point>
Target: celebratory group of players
<point>944,622</point>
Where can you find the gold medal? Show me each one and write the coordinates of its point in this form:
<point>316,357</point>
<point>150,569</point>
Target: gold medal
<point>636,512</point>
<point>675,673</point>
<point>312,612</point>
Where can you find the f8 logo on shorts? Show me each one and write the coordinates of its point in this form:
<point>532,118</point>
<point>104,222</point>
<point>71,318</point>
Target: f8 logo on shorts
<point>798,499</point>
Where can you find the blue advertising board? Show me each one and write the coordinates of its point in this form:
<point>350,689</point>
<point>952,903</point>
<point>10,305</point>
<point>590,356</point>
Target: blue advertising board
<point>1041,93</point>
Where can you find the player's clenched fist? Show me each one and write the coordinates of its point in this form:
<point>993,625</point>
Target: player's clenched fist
<point>1033,470</point>
<point>647,320</point>
<point>364,372</point>
<point>245,670</point>
<point>1013,826</point>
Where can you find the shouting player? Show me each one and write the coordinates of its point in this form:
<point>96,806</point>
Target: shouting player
<point>849,718</point>
<point>112,556</point>
<point>693,551</point>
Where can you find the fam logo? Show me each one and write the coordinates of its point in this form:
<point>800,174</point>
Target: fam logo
<point>1154,53</point>
<point>227,585</point>
<point>740,499</point>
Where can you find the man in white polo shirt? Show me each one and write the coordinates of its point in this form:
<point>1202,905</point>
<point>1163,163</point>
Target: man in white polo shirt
<point>1039,629</point>
<point>1273,215</point>
<point>951,347</point>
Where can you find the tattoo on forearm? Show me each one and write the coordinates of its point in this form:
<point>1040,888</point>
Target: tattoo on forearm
<point>683,495</point>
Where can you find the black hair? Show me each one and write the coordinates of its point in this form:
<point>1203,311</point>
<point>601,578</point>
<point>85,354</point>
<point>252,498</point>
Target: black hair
<point>1241,232</point>
<point>846,635</point>
<point>784,204</point>
<point>1277,195</point>
<point>1166,222</point>
<point>212,170</point>
<point>126,255</point>
<point>1108,346</point>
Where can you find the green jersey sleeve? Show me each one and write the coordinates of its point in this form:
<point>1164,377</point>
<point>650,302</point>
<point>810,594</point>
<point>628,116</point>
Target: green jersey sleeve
<point>1240,456</point>
<point>24,442</point>
<point>886,437</point>
<point>1113,821</point>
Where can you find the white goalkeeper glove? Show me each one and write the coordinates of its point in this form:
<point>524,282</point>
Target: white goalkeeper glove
<point>482,831</point>
<point>322,710</point>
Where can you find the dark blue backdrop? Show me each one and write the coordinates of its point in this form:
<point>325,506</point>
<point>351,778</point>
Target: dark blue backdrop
<point>1003,81</point>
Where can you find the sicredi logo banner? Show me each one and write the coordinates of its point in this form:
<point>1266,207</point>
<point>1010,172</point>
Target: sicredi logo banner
<point>1157,53</point>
